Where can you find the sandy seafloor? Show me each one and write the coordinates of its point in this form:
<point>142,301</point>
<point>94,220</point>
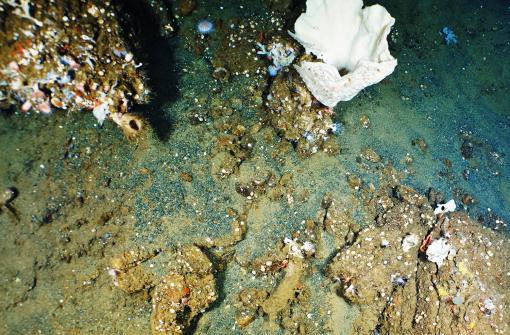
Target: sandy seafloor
<point>86,193</point>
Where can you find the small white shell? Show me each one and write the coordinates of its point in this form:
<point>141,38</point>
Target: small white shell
<point>445,208</point>
<point>7,196</point>
<point>409,242</point>
<point>128,57</point>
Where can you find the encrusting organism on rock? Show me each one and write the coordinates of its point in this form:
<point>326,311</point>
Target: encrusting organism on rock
<point>132,125</point>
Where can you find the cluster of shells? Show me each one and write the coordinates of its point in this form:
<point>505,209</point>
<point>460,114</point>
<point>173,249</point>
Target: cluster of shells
<point>68,58</point>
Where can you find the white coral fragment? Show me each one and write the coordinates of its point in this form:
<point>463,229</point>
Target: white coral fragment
<point>439,250</point>
<point>445,208</point>
<point>281,55</point>
<point>409,242</point>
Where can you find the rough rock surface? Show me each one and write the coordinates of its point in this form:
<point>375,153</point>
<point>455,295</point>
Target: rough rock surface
<point>403,293</point>
<point>295,116</point>
<point>66,56</point>
<point>183,281</point>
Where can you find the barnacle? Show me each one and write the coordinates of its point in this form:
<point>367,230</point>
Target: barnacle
<point>132,125</point>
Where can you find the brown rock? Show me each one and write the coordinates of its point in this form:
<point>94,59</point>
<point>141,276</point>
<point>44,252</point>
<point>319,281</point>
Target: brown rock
<point>410,196</point>
<point>186,6</point>
<point>370,155</point>
<point>420,143</point>
<point>185,176</point>
<point>134,280</point>
<point>354,181</point>
<point>467,199</point>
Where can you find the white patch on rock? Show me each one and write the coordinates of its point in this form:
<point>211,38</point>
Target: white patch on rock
<point>445,208</point>
<point>439,250</point>
<point>308,248</point>
<point>101,112</point>
<point>281,55</point>
<point>297,250</point>
<point>409,242</point>
<point>294,249</point>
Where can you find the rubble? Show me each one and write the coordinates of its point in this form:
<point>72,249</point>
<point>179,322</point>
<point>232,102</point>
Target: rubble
<point>400,290</point>
<point>67,56</point>
<point>295,116</point>
<point>183,282</point>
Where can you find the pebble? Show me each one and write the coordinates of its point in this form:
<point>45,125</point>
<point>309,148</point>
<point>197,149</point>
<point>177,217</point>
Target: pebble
<point>467,199</point>
<point>420,143</point>
<point>370,155</point>
<point>7,196</point>
<point>364,121</point>
<point>186,7</point>
<point>221,74</point>
<point>458,300</point>
<point>408,159</point>
<point>354,181</point>
<point>185,176</point>
<point>466,149</point>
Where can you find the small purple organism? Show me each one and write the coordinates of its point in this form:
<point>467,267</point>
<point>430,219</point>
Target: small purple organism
<point>448,36</point>
<point>272,70</point>
<point>205,27</point>
<point>399,280</point>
